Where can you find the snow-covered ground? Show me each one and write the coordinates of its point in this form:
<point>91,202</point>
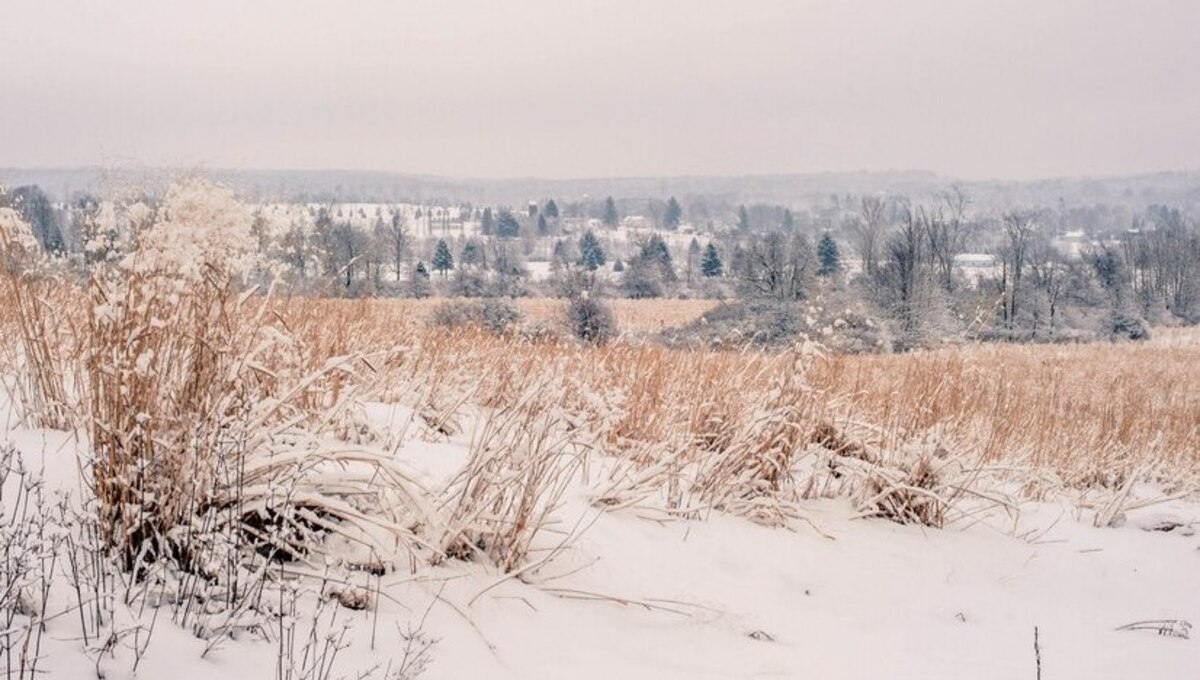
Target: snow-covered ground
<point>636,596</point>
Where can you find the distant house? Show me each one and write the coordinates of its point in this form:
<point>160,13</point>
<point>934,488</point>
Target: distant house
<point>974,261</point>
<point>975,266</point>
<point>1071,243</point>
<point>578,225</point>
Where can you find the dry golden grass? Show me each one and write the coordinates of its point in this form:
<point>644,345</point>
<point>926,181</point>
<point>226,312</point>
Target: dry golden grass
<point>1084,416</point>
<point>1093,413</point>
<point>904,434</point>
<point>1103,408</point>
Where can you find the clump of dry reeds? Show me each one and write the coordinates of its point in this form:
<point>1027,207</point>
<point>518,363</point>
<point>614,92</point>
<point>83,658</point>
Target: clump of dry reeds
<point>521,461</point>
<point>26,287</point>
<point>751,471</point>
<point>205,426</point>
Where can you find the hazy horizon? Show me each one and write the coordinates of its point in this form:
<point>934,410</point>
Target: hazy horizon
<point>588,90</point>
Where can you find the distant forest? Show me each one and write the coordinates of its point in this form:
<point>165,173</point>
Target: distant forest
<point>1134,192</point>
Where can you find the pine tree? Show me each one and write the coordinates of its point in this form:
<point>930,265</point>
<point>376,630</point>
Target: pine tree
<point>673,214</point>
<point>693,258</point>
<point>560,258</point>
<point>743,218</point>
<point>551,209</point>
<point>507,226</point>
<point>610,218</point>
<point>443,261</point>
<point>655,251</point>
<point>487,223</point>
<point>789,222</point>
<point>471,254</point>
<point>591,253</point>
<point>618,266</point>
<point>418,285</point>
<point>542,227</point>
<point>710,264</point>
<point>827,254</point>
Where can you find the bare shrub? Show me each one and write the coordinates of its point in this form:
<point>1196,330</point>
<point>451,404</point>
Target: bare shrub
<point>590,319</point>
<point>491,314</point>
<point>1128,326</point>
<point>775,324</point>
<point>760,322</point>
<point>29,547</point>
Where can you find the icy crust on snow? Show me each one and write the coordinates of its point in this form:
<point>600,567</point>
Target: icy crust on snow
<point>721,597</point>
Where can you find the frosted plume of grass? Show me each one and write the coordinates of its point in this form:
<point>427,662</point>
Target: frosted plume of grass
<point>199,407</point>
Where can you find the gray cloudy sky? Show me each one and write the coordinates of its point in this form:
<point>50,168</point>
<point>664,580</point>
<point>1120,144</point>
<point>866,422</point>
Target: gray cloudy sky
<point>587,88</point>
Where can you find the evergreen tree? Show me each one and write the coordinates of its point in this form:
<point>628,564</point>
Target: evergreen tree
<point>35,208</point>
<point>618,266</point>
<point>507,226</point>
<point>642,279</point>
<point>710,264</point>
<point>656,252</point>
<point>471,254</point>
<point>789,222</point>
<point>487,223</point>
<point>827,255</point>
<point>542,228</point>
<point>561,257</point>
<point>443,261</point>
<point>693,258</point>
<point>610,217</point>
<point>418,285</point>
<point>743,218</point>
<point>591,253</point>
<point>551,209</point>
<point>673,214</point>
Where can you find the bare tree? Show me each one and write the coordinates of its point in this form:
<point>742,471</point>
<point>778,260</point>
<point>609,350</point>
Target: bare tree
<point>1049,274</point>
<point>344,246</point>
<point>1019,230</point>
<point>777,266</point>
<point>905,272</point>
<point>945,227</point>
<point>397,240</point>
<point>296,249</point>
<point>867,231</point>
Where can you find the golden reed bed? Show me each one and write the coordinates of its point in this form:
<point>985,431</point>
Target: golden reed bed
<point>1096,410</point>
<point>1092,413</point>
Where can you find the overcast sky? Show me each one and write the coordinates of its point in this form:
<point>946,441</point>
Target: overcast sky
<point>570,88</point>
